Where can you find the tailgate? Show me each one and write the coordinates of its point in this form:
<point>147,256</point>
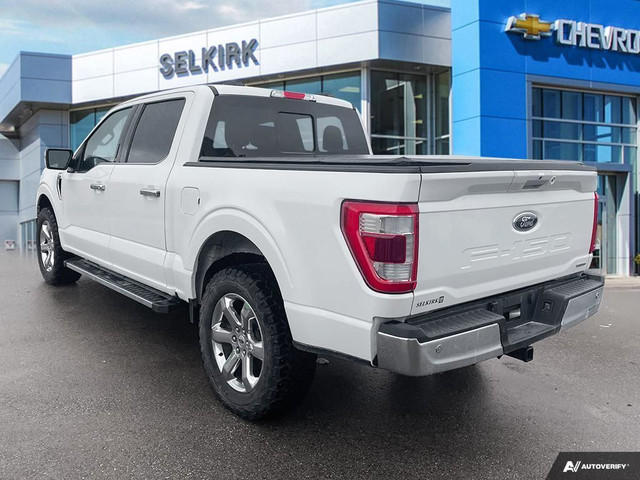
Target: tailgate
<point>488,232</point>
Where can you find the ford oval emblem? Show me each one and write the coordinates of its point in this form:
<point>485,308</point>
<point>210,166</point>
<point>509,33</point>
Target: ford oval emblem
<point>525,221</point>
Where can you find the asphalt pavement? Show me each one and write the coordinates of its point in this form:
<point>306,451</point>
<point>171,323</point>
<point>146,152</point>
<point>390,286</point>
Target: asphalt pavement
<point>94,385</point>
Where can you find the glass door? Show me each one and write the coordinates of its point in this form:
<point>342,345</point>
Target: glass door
<point>609,214</point>
<point>605,254</point>
<point>399,114</point>
<point>599,254</point>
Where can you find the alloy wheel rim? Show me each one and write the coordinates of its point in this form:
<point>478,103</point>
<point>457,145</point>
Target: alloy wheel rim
<point>236,338</point>
<point>47,254</point>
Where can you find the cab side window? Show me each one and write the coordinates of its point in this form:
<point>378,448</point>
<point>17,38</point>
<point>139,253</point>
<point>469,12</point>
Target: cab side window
<point>155,131</point>
<point>105,142</point>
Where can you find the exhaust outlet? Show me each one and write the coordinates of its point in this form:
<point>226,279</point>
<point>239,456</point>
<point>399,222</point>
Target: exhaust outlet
<point>525,354</point>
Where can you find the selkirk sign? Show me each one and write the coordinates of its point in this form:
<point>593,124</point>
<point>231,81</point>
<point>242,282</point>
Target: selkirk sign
<point>214,58</point>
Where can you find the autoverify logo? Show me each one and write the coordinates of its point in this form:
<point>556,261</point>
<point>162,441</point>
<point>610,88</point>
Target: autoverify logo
<point>575,466</point>
<point>571,467</point>
<point>596,465</point>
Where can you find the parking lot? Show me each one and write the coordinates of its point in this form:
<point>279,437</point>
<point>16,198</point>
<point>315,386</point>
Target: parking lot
<point>95,385</point>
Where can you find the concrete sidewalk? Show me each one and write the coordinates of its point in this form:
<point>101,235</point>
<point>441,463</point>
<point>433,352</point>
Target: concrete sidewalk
<point>615,281</point>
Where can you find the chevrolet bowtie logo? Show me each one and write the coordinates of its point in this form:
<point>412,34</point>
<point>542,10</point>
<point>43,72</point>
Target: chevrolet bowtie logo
<point>530,26</point>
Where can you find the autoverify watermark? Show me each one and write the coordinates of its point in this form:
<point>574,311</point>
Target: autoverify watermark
<point>596,465</point>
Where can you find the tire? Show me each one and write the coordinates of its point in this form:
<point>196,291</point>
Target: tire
<point>242,318</point>
<point>51,256</point>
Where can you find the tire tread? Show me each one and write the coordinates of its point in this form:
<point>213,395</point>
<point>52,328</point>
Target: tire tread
<point>292,370</point>
<point>59,275</point>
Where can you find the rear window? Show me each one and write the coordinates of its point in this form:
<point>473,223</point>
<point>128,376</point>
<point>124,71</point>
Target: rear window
<point>246,126</point>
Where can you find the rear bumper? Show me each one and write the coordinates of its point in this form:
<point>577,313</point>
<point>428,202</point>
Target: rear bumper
<point>484,329</point>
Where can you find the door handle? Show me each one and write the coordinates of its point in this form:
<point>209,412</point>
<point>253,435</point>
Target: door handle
<point>150,192</point>
<point>98,186</point>
<point>59,186</point>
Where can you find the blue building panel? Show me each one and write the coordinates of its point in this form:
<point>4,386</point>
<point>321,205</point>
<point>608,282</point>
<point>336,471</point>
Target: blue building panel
<point>45,66</point>
<point>465,14</point>
<point>466,48</point>
<point>10,88</point>
<point>466,103</point>
<point>499,102</point>
<point>35,77</point>
<point>10,77</point>
<point>497,52</point>
<point>507,59</point>
<point>467,134</point>
<point>501,137</point>
<point>45,91</point>
<point>498,11</point>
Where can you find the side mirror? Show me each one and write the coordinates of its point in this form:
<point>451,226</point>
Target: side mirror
<point>58,158</point>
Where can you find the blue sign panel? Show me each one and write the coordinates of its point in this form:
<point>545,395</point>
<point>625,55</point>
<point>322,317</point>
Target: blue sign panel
<point>498,45</point>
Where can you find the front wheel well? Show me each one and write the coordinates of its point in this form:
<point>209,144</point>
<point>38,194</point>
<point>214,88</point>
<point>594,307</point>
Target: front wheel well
<point>43,202</point>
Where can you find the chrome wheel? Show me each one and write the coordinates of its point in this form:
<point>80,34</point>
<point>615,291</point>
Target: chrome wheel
<point>47,254</point>
<point>236,338</point>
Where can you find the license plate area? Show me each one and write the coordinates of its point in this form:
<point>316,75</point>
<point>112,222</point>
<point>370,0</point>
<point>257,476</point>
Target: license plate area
<point>517,309</point>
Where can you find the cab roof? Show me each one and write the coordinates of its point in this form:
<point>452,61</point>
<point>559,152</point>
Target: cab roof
<point>235,90</point>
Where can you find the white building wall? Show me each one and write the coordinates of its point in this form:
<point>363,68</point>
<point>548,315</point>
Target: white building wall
<point>312,39</point>
<point>134,70</point>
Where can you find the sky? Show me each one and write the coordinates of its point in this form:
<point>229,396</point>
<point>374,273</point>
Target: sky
<point>77,26</point>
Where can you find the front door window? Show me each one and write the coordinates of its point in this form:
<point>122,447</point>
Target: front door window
<point>104,144</point>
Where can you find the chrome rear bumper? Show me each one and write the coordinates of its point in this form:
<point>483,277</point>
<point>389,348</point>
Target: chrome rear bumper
<point>581,308</point>
<point>410,357</point>
<point>557,307</point>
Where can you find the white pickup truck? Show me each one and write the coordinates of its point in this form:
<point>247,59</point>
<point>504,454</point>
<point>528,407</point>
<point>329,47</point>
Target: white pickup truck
<point>265,213</point>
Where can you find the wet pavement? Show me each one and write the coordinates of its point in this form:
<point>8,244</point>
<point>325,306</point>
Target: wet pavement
<point>95,385</point>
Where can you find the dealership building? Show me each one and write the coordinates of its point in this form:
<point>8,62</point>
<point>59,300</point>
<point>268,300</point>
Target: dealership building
<point>534,79</point>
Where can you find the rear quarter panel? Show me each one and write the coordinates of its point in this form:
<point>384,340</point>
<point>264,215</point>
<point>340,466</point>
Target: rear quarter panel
<point>293,217</point>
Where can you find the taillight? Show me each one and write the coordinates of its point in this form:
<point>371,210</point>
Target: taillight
<point>383,239</point>
<point>594,230</point>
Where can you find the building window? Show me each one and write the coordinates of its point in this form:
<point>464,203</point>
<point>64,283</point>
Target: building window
<point>442,92</point>
<point>345,86</point>
<point>407,116</point>
<point>399,113</point>
<point>82,122</point>
<point>583,126</point>
<point>28,235</point>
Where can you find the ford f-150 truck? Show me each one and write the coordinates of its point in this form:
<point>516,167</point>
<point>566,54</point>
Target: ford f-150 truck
<point>265,214</point>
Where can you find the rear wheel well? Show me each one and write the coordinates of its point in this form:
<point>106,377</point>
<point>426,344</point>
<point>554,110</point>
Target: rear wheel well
<point>223,250</point>
<point>230,260</point>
